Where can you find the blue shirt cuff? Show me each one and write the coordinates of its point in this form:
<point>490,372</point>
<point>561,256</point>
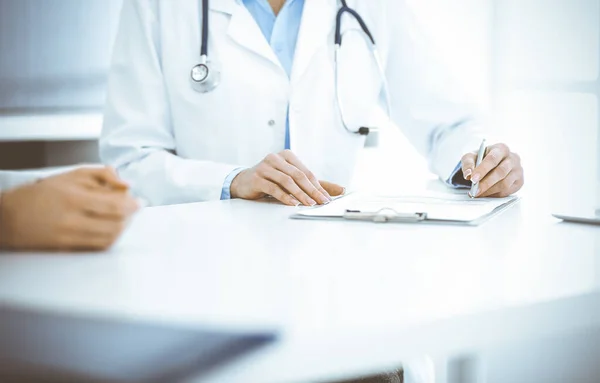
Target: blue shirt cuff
<point>226,191</point>
<point>456,179</point>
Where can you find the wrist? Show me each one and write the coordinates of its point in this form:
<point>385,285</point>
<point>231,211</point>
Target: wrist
<point>233,189</point>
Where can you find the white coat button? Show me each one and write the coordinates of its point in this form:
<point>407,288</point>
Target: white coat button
<point>271,122</point>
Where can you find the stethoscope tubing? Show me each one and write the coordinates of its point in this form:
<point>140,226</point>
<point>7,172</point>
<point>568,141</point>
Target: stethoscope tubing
<point>210,80</point>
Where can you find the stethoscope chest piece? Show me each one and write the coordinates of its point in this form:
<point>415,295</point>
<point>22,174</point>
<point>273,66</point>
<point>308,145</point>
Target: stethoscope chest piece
<point>204,77</point>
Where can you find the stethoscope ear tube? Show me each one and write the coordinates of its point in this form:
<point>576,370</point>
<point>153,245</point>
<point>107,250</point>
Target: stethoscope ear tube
<point>204,32</point>
<point>363,131</point>
<point>359,19</point>
<point>205,77</point>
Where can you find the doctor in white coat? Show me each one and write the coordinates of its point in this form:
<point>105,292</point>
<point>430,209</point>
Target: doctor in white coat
<point>271,123</point>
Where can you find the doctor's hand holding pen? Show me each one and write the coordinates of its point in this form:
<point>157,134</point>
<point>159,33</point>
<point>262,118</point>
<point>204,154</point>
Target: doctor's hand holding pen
<point>85,209</point>
<point>499,174</point>
<point>283,177</point>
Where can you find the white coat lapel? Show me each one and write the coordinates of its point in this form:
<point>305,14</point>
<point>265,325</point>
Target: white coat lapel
<point>318,22</point>
<point>243,29</point>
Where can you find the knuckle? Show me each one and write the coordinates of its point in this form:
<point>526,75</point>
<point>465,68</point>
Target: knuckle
<point>260,171</point>
<point>270,189</point>
<point>255,177</point>
<point>505,168</point>
<point>270,158</point>
<point>494,156</point>
<point>288,182</point>
<point>503,147</point>
<point>263,171</point>
<point>297,174</point>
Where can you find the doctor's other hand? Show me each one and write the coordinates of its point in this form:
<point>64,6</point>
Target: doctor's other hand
<point>283,177</point>
<point>500,174</point>
<point>85,209</point>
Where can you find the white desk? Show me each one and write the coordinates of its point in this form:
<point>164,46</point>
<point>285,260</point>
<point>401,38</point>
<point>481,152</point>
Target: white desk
<point>347,297</point>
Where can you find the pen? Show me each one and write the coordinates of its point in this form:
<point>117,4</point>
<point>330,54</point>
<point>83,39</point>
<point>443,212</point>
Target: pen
<point>475,186</point>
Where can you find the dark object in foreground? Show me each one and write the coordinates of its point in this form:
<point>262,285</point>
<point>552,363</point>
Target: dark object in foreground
<point>46,346</point>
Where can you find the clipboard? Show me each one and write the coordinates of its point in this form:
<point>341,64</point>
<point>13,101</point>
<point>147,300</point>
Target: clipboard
<point>425,209</point>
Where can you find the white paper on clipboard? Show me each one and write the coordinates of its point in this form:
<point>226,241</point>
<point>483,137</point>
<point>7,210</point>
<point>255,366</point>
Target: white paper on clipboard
<point>436,207</point>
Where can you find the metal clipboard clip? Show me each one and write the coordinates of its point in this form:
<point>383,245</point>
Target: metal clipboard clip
<point>385,215</point>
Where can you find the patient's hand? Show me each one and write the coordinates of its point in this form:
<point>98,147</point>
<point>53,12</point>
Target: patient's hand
<point>86,209</point>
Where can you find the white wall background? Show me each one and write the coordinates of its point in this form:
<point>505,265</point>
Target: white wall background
<point>533,65</point>
<point>546,59</point>
<point>461,31</point>
<point>54,54</point>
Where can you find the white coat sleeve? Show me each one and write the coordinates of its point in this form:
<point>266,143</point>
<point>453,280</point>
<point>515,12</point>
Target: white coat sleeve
<point>13,179</point>
<point>425,98</point>
<point>137,137</point>
<point>10,179</point>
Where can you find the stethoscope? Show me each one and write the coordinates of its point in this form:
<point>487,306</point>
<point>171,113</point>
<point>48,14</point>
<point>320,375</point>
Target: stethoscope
<point>205,77</point>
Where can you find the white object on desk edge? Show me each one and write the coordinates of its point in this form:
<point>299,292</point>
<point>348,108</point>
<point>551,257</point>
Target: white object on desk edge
<point>51,127</point>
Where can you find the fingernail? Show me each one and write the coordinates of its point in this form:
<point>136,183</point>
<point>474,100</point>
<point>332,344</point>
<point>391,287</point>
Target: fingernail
<point>323,199</point>
<point>311,202</point>
<point>476,178</point>
<point>295,202</point>
<point>468,173</point>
